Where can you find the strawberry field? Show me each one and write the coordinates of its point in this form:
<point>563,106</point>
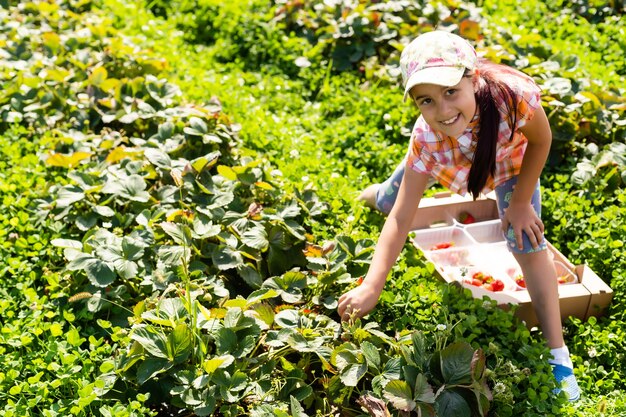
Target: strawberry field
<point>178,184</point>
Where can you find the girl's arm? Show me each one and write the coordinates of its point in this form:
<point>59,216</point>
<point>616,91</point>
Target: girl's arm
<point>520,213</point>
<point>362,299</point>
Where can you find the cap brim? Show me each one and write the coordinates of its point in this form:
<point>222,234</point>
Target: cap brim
<point>444,76</point>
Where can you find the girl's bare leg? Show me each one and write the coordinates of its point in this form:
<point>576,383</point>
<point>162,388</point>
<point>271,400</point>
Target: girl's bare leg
<point>541,282</point>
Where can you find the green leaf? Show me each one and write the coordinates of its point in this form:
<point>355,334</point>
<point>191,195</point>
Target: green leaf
<point>151,339</point>
<point>265,313</point>
<point>168,312</point>
<point>125,269</point>
<point>203,228</point>
<point>225,257</point>
<point>99,273</point>
<point>67,243</point>
<point>158,158</point>
<point>104,211</point>
<point>197,127</point>
<point>218,362</point>
<point>173,255</point>
<point>255,238</point>
<point>296,408</point>
<point>456,361</point>
<point>150,368</point>
<point>287,318</point>
<point>180,233</point>
<point>353,373</point>
<point>250,275</point>
<point>132,249</point>
<point>478,365</point>
<point>131,188</point>
<point>98,76</point>
<point>295,229</point>
<point>205,162</point>
<point>289,285</point>
<point>451,404</point>
<point>423,391</point>
<point>260,295</point>
<point>371,354</point>
<point>179,343</point>
<point>227,172</point>
<point>392,368</point>
<point>399,394</point>
<point>226,341</point>
<point>68,195</point>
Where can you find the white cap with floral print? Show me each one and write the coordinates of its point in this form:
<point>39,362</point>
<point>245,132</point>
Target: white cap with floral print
<point>436,57</point>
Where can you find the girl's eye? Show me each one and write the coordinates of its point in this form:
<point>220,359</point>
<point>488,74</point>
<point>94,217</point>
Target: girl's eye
<point>423,102</point>
<point>450,91</point>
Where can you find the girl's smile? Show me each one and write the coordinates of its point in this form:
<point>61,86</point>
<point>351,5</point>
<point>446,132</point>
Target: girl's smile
<point>448,110</point>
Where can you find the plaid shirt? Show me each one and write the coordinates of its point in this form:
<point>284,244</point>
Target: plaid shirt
<point>449,159</point>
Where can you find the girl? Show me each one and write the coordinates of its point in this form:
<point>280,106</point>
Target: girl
<point>481,128</point>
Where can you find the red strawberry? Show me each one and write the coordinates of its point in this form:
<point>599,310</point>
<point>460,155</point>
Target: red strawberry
<point>497,285</point>
<point>444,245</point>
<point>519,280</point>
<point>466,218</point>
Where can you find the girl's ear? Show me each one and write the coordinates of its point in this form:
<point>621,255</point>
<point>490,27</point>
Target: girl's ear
<point>476,80</point>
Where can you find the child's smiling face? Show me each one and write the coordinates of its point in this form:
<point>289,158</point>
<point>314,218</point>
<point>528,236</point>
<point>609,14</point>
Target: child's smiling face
<point>446,109</point>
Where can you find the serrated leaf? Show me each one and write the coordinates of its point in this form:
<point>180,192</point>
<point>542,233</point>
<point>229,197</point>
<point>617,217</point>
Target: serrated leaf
<point>225,257</point>
<point>265,313</point>
<point>104,211</point>
<point>158,158</point>
<point>260,295</point>
<point>255,238</point>
<point>456,361</point>
<point>371,354</point>
<point>392,368</point>
<point>399,394</point>
<point>152,367</point>
<point>215,363</point>
<point>66,161</point>
<point>68,195</point>
<point>173,255</point>
<point>296,408</point>
<point>180,233</point>
<point>423,392</point>
<point>152,340</point>
<point>353,373</point>
<point>67,243</point>
<point>227,172</point>
<point>451,404</point>
<point>226,341</point>
<point>97,76</point>
<point>287,318</point>
<point>99,273</point>
<point>179,343</point>
<point>206,162</point>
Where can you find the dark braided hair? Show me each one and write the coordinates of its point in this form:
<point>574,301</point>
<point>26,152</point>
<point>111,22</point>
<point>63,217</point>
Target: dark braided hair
<point>484,162</point>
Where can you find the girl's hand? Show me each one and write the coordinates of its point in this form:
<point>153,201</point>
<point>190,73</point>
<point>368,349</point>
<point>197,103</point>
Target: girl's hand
<point>357,302</point>
<point>523,218</point>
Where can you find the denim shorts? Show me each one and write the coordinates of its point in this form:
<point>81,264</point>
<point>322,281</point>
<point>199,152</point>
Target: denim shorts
<point>504,192</point>
<point>388,192</point>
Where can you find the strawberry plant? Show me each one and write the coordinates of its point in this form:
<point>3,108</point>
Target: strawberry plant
<point>162,257</point>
